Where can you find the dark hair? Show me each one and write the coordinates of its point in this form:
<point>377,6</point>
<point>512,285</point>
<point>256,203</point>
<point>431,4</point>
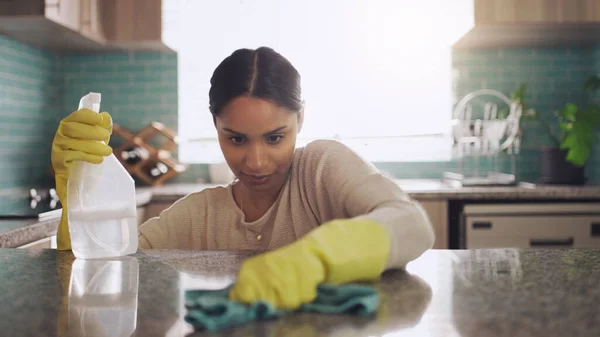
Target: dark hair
<point>260,73</point>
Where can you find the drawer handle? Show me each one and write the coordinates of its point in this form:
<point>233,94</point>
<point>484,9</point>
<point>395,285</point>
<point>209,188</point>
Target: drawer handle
<point>595,228</point>
<point>551,242</point>
<point>479,225</point>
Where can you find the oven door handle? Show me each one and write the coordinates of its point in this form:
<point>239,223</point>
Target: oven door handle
<point>549,242</point>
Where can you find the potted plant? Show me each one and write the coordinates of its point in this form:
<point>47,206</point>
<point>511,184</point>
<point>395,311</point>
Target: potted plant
<point>563,162</point>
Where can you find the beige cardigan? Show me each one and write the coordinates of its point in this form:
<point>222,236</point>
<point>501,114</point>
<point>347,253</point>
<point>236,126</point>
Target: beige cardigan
<point>327,181</point>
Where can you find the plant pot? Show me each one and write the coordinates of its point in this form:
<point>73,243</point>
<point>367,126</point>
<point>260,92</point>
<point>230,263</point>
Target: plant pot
<point>555,169</point>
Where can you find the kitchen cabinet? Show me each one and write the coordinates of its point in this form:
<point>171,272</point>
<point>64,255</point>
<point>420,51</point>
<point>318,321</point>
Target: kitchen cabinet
<point>134,24</point>
<point>85,25</point>
<point>437,210</point>
<point>539,11</point>
<point>49,24</point>
<point>533,23</point>
<point>64,12</point>
<point>91,21</point>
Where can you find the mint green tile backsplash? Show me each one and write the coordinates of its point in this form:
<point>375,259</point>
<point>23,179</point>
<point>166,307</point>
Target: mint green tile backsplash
<point>594,168</point>
<point>596,69</point>
<point>38,88</point>
<point>29,98</point>
<point>553,76</point>
<point>136,88</point>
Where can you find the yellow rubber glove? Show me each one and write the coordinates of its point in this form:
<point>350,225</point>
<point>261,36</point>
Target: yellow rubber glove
<point>77,138</point>
<point>336,252</point>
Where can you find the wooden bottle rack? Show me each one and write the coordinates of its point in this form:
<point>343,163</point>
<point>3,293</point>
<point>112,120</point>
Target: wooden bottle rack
<point>160,155</point>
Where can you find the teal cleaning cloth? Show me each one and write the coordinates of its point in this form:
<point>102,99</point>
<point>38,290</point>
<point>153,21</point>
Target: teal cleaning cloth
<point>211,310</point>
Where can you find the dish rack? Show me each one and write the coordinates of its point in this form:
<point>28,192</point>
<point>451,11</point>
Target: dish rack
<point>481,131</point>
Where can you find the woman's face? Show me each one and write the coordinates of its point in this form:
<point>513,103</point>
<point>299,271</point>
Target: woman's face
<point>258,139</point>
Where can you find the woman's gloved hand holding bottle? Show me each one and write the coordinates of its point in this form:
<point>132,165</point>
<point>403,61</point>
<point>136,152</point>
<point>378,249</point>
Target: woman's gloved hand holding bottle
<point>81,136</point>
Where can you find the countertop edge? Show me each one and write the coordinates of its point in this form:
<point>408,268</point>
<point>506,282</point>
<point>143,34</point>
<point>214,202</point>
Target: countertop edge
<point>433,190</point>
<point>29,233</point>
<point>500,195</point>
<point>419,189</point>
<point>446,196</point>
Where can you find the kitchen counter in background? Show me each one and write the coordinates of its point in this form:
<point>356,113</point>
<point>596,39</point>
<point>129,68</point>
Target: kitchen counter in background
<point>19,232</point>
<point>15,233</point>
<point>496,292</point>
<point>436,189</point>
<point>424,189</point>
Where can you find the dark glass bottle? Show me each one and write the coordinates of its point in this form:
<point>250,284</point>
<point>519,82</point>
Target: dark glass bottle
<point>134,155</point>
<point>156,170</point>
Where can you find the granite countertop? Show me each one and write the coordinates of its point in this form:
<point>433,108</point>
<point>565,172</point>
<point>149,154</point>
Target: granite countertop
<point>424,189</point>
<point>18,232</point>
<point>498,292</point>
<point>428,189</point>
<point>14,233</point>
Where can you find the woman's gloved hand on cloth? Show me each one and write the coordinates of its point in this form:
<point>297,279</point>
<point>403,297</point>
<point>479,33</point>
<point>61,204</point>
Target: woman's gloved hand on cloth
<point>81,136</point>
<point>336,252</point>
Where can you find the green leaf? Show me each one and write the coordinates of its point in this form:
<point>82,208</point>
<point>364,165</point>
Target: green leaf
<point>565,127</point>
<point>568,112</point>
<point>519,95</point>
<point>579,143</point>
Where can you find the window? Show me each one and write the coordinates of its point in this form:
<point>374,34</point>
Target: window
<point>376,74</point>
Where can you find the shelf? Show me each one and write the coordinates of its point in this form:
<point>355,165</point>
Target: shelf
<point>531,35</point>
<point>157,131</point>
<point>152,156</point>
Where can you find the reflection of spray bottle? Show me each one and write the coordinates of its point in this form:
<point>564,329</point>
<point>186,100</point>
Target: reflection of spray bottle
<point>103,297</point>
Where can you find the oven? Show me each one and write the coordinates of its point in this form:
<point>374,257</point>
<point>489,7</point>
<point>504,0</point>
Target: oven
<point>545,225</point>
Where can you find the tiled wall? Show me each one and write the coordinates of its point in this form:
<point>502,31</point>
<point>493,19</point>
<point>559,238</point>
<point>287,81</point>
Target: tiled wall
<point>553,76</point>
<point>596,70</point>
<point>30,93</point>
<point>136,88</point>
<point>594,169</point>
<point>37,89</point>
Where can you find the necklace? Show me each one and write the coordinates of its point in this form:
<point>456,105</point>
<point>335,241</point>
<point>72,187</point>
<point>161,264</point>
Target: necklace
<point>258,236</point>
<point>241,201</point>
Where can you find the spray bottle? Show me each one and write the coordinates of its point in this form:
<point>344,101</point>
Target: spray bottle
<point>101,204</point>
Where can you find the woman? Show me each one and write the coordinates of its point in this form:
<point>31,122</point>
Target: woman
<point>322,213</point>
